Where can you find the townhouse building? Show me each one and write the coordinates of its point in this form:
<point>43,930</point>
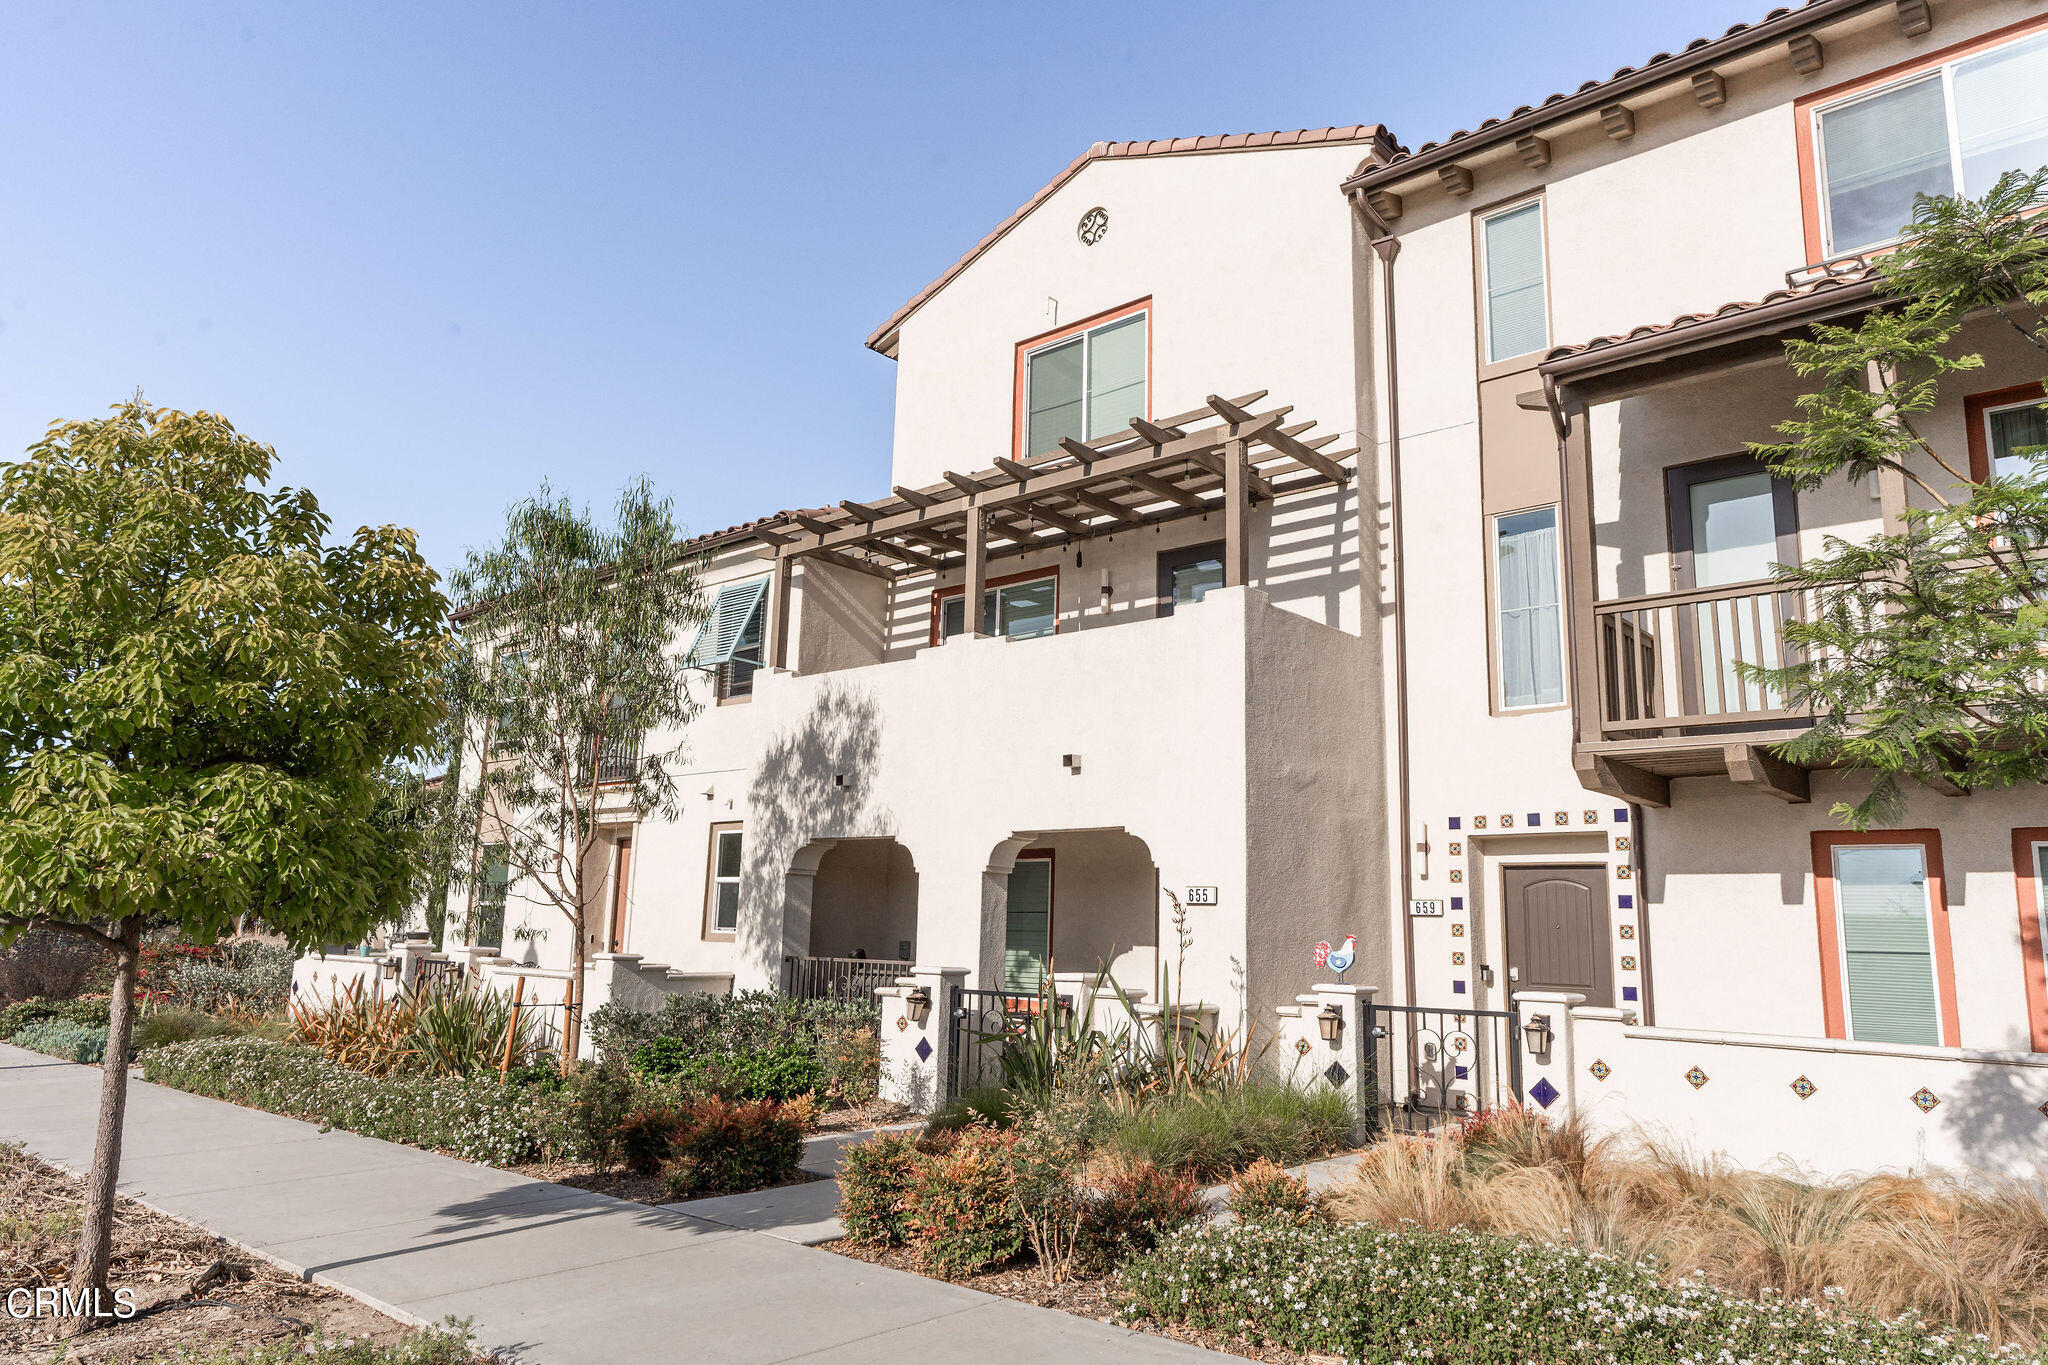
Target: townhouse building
<point>1360,543</point>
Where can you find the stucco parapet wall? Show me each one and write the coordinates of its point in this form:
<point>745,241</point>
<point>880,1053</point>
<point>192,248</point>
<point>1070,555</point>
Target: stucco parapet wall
<point>1842,1046</point>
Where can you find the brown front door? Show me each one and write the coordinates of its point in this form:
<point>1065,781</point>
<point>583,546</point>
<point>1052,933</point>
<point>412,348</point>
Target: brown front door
<point>620,870</point>
<point>1557,931</point>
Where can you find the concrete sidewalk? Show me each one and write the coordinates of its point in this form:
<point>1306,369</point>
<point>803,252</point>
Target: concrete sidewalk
<point>549,1275</point>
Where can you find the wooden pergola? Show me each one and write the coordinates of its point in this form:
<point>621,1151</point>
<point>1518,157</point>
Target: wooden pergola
<point>1221,456</point>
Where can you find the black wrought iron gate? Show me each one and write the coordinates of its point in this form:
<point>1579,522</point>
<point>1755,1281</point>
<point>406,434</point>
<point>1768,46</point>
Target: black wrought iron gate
<point>1432,1066</point>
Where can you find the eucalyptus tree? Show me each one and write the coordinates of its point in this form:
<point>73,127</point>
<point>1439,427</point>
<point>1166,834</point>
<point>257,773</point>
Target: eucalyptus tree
<point>201,702</point>
<point>1921,653</point>
<point>575,661</point>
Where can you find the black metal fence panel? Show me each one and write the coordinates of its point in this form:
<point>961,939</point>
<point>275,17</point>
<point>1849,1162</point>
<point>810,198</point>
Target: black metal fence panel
<point>852,979</point>
<point>1431,1067</point>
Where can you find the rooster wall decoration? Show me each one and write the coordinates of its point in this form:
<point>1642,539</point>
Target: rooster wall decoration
<point>1338,960</point>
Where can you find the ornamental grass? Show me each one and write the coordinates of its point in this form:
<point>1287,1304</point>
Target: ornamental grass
<point>1970,1252</point>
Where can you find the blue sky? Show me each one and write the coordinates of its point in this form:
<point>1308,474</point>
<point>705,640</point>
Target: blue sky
<point>435,253</point>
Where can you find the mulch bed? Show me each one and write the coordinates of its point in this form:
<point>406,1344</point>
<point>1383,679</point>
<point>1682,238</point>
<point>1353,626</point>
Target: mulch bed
<point>238,1301</point>
<point>1026,1283</point>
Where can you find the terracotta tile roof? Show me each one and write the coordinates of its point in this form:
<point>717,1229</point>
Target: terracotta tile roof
<point>1104,151</point>
<point>1805,283</point>
<point>1773,27</point>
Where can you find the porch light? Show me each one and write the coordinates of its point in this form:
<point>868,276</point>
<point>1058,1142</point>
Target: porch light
<point>1537,1032</point>
<point>917,1003</point>
<point>390,969</point>
<point>1330,1023</point>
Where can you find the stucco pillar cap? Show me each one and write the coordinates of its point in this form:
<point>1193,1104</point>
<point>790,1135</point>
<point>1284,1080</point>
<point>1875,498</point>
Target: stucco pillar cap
<point>1357,992</point>
<point>1566,998</point>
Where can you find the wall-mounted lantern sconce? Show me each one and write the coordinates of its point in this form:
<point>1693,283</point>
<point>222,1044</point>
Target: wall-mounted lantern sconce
<point>1105,587</point>
<point>918,1005</point>
<point>1537,1032</point>
<point>390,969</point>
<point>1331,1023</point>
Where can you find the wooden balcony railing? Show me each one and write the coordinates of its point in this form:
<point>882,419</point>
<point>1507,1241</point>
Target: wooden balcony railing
<point>1667,662</point>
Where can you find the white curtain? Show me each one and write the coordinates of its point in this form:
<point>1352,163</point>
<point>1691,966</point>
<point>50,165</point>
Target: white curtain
<point>1526,585</point>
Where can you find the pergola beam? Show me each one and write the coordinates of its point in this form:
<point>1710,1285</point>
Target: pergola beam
<point>913,496</point>
<point>1107,506</point>
<point>1160,488</point>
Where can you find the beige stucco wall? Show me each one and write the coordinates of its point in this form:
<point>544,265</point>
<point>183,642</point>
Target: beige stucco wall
<point>864,900</point>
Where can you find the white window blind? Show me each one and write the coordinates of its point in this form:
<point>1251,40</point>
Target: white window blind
<point>1517,317</point>
<point>1089,386</point>
<point>1952,130</point>
<point>1887,947</point>
<point>1531,627</point>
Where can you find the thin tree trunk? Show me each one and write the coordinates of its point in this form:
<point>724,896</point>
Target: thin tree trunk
<point>96,1233</point>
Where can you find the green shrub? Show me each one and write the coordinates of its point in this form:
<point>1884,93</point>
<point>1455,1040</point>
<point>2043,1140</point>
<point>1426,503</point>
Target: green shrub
<point>988,1105</point>
<point>841,1036</point>
<point>726,1147</point>
<point>1133,1211</point>
<point>90,1011</point>
<point>597,1097</point>
<point>783,1074</point>
<point>1265,1193</point>
<point>249,977</point>
<point>476,1117</point>
<point>1216,1132</point>
<point>62,1038</point>
<point>1370,1295</point>
<point>159,1028</point>
<point>874,1179</point>
<point>645,1133</point>
<point>959,1214</point>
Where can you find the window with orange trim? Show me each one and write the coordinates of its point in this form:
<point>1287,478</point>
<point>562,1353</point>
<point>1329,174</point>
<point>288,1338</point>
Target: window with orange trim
<point>2006,429</point>
<point>1020,606</point>
<point>1887,967</point>
<point>1085,380</point>
<point>1949,123</point>
<point>2030,878</point>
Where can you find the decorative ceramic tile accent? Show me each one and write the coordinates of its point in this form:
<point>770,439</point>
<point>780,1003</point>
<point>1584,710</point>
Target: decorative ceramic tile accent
<point>1592,817</point>
<point>1695,1077</point>
<point>1624,872</point>
<point>1628,964</point>
<point>1560,817</point>
<point>1479,822</point>
<point>1533,819</point>
<point>924,1049</point>
<point>1457,902</point>
<point>1628,992</point>
<point>1336,1074</point>
<point>2043,1107</point>
<point>1625,901</point>
<point>1457,959</point>
<point>902,1022</point>
<point>1461,1073</point>
<point>1804,1088</point>
<point>1454,822</point>
<point>1924,1100</point>
<point>1543,1092</point>
<point>1457,849</point>
<point>1628,931</point>
<point>1457,875</point>
<point>1457,931</point>
<point>1301,1046</point>
<point>1601,1071</point>
<point>1621,815</point>
<point>1507,822</point>
<point>1457,988</point>
<point>1621,844</point>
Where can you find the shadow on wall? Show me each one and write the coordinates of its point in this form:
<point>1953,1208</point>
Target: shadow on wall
<point>1994,1115</point>
<point>797,798</point>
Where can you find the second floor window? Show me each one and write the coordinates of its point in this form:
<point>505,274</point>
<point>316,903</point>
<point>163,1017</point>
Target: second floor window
<point>1085,386</point>
<point>1186,575</point>
<point>730,642</point>
<point>1511,266</point>
<point>2016,436</point>
<point>1531,625</point>
<point>1021,610</point>
<point>1952,130</point>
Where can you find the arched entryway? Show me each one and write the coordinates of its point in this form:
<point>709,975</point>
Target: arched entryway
<point>858,926</point>
<point>1070,901</point>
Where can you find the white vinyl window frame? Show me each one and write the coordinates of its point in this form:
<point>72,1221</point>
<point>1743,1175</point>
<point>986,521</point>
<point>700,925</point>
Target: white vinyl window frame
<point>2038,852</point>
<point>1946,74</point>
<point>719,881</point>
<point>1842,950</point>
<point>1487,357</point>
<point>1496,611</point>
<point>1087,340</point>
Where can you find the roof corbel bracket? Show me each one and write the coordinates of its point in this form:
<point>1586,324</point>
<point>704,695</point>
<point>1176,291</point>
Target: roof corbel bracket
<point>1456,179</point>
<point>1915,18</point>
<point>1710,88</point>
<point>1807,56</point>
<point>1619,120</point>
<point>1534,151</point>
<point>1385,203</point>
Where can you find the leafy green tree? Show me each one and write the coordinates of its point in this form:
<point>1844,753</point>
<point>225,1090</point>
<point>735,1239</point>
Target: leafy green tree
<point>576,636</point>
<point>199,701</point>
<point>1921,649</point>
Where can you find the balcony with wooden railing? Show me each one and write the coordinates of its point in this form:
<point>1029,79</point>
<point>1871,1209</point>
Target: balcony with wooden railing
<point>1675,694</point>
